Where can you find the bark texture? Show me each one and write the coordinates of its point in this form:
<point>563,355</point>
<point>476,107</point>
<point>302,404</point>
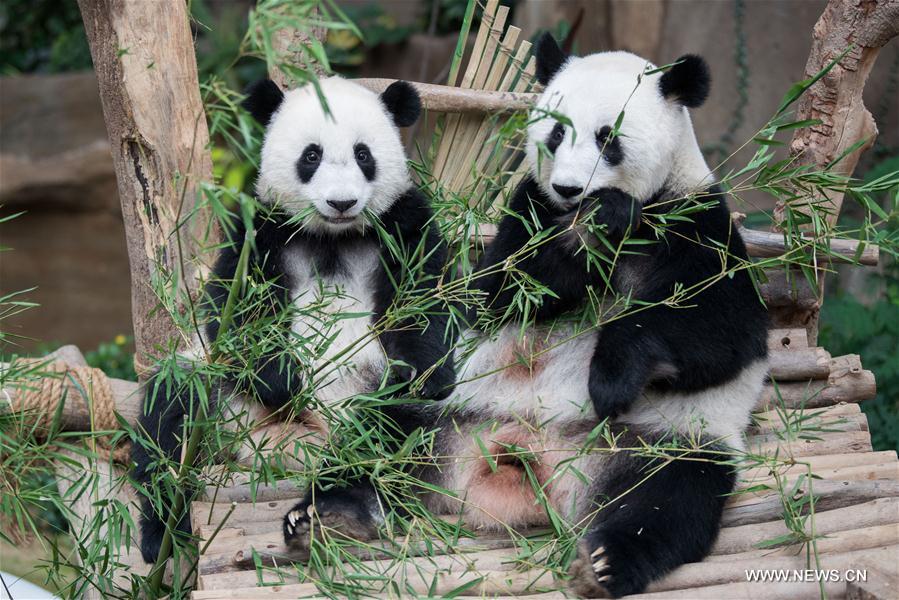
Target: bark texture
<point>143,54</point>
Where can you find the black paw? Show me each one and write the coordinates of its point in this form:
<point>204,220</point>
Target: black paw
<point>439,383</point>
<point>348,513</point>
<point>619,212</point>
<point>608,402</point>
<point>603,571</point>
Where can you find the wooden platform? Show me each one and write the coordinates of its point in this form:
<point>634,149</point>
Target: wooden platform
<point>809,423</point>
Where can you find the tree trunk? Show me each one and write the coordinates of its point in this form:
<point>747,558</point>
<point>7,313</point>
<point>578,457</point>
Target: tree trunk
<point>836,99</point>
<point>143,54</point>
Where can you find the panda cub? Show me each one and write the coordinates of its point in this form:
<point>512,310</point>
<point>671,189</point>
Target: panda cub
<point>328,182</point>
<point>519,436</point>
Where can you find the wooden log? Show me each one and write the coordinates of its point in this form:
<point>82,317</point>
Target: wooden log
<point>828,495</point>
<point>807,426</point>
<point>773,420</point>
<point>743,538</point>
<point>143,54</point>
<point>840,442</point>
<point>799,364</point>
<point>787,339</point>
<point>847,386</point>
<point>841,541</point>
<point>728,579</point>
<point>767,244</point>
<point>864,471</point>
<point>447,99</point>
<point>879,584</point>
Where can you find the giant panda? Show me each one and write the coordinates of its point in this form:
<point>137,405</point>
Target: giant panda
<point>330,179</point>
<point>555,415</point>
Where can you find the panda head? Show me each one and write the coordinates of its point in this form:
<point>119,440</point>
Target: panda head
<point>337,169</point>
<point>656,147</point>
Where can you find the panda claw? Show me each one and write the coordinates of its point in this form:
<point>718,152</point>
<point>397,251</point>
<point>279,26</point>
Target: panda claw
<point>598,551</point>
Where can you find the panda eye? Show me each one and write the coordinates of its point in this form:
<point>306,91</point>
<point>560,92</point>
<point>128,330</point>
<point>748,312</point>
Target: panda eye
<point>311,156</point>
<point>362,155</point>
<point>558,133</point>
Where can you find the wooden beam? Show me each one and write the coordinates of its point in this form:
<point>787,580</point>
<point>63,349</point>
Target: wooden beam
<point>143,54</point>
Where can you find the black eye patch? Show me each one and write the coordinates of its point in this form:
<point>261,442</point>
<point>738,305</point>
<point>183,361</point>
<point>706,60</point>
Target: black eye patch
<point>365,160</point>
<point>555,138</point>
<point>310,159</point>
<point>611,149</point>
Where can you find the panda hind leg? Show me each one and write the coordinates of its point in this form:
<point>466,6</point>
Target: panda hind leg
<point>351,512</point>
<point>650,527</point>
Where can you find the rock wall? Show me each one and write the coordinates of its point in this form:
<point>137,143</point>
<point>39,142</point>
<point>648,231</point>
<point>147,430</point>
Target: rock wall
<point>69,244</point>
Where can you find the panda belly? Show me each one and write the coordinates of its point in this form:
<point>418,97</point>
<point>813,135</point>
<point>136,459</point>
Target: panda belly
<point>334,322</point>
<point>518,417</point>
<point>530,392</point>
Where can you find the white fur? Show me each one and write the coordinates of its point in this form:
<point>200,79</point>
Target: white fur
<point>556,395</point>
<point>591,91</point>
<point>357,115</point>
<point>349,359</point>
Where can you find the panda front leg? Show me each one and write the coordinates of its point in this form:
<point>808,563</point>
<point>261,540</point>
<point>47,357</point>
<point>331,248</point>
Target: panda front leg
<point>627,355</point>
<point>353,512</point>
<point>658,514</point>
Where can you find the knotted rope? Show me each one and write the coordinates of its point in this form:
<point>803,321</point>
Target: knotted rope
<point>89,386</point>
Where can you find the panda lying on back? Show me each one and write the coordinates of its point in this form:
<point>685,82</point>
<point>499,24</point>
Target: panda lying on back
<point>520,426</point>
<point>325,180</point>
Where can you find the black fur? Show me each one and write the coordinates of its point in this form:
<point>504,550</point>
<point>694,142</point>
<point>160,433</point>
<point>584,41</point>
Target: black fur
<point>555,138</point>
<point>550,58</point>
<point>309,161</point>
<point>365,160</point>
<point>263,99</point>
<point>723,330</point>
<point>687,82</point>
<point>611,149</point>
<point>655,516</point>
<point>278,381</point>
<point>402,102</point>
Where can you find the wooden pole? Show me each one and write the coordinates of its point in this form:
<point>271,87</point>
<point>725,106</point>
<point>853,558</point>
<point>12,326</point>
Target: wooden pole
<point>143,54</point>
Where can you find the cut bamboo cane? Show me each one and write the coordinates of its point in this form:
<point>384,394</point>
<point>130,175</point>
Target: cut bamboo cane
<point>787,339</point>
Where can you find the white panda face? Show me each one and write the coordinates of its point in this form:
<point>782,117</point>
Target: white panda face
<point>655,147</point>
<point>334,170</point>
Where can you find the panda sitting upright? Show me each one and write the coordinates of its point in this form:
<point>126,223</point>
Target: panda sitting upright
<point>328,182</point>
<point>522,434</point>
<point>694,367</point>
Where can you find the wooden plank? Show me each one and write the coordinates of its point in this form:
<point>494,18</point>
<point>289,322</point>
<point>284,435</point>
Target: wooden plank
<point>845,386</point>
<point>840,442</point>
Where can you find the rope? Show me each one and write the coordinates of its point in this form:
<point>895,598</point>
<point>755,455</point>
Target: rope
<point>88,385</point>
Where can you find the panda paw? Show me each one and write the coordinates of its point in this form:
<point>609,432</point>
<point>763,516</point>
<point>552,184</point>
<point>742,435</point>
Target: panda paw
<point>608,401</point>
<point>590,573</point>
<point>342,512</point>
<point>619,212</point>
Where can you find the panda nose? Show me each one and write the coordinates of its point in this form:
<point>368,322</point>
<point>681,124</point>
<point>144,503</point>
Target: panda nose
<point>342,205</point>
<point>567,191</point>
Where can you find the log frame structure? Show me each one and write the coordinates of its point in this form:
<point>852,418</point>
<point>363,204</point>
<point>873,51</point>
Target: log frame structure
<point>143,54</point>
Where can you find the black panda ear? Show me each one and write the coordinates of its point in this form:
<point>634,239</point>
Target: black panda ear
<point>550,58</point>
<point>687,82</point>
<point>402,102</point>
<point>263,99</point>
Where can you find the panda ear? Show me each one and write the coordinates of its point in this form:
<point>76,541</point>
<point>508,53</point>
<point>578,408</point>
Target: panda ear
<point>263,99</point>
<point>687,82</point>
<point>550,58</point>
<point>402,102</point>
